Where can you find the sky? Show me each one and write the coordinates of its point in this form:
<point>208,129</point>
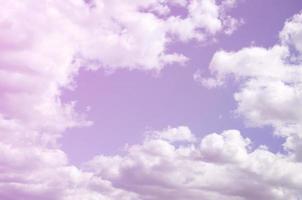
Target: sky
<point>151,100</point>
<point>130,103</point>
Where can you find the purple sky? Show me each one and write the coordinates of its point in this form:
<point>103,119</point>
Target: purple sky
<point>125,104</point>
<point>150,100</point>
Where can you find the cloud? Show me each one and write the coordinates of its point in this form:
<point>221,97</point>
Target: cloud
<point>44,45</point>
<point>220,166</point>
<point>180,134</point>
<point>32,169</point>
<point>270,83</point>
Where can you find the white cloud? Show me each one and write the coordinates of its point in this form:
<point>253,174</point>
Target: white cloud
<point>222,167</point>
<point>180,134</point>
<point>31,169</point>
<point>270,84</point>
<point>43,45</point>
<point>292,33</point>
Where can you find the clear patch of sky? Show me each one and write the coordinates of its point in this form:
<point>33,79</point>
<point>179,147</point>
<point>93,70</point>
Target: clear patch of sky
<point>126,104</point>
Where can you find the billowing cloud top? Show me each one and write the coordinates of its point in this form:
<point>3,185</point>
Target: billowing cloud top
<point>270,79</point>
<point>45,43</point>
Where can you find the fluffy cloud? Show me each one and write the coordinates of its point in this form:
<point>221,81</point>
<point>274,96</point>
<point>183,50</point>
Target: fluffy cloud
<point>43,46</point>
<point>32,169</point>
<point>220,166</point>
<point>270,79</point>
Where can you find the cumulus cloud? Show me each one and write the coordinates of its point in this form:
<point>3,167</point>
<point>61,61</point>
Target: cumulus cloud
<point>220,166</point>
<point>43,46</point>
<point>32,169</point>
<point>270,83</point>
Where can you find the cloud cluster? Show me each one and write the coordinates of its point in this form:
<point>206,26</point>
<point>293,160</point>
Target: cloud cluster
<point>44,45</point>
<point>220,166</point>
<point>270,83</point>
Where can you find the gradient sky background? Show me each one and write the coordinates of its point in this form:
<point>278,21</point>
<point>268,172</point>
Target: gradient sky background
<point>125,104</point>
